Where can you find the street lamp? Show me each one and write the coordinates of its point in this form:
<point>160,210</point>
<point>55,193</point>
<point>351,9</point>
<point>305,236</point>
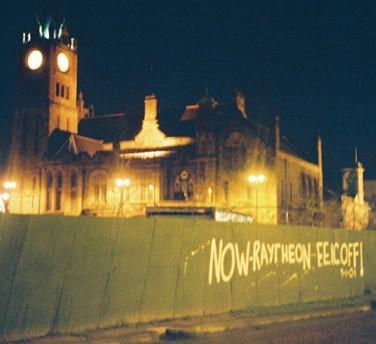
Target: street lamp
<point>210,194</point>
<point>8,186</point>
<point>256,180</point>
<point>121,183</point>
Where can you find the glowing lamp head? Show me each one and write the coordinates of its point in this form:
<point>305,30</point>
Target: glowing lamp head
<point>62,62</point>
<point>252,179</point>
<point>34,59</point>
<point>5,196</point>
<point>256,179</point>
<point>122,182</point>
<point>8,185</point>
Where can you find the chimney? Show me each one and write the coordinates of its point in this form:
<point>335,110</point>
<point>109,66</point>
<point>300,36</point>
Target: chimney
<point>277,134</point>
<point>240,103</point>
<point>150,107</point>
<point>150,135</point>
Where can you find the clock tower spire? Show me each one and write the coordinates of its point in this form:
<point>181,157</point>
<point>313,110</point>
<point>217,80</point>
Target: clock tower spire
<point>46,88</point>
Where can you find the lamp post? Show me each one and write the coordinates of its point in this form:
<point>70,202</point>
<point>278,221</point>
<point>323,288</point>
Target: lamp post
<point>256,180</point>
<point>121,183</point>
<point>8,186</point>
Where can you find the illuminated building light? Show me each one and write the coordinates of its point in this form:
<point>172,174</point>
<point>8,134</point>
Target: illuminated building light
<point>122,182</point>
<point>8,185</point>
<point>154,142</point>
<point>5,196</point>
<point>146,155</point>
<point>256,179</point>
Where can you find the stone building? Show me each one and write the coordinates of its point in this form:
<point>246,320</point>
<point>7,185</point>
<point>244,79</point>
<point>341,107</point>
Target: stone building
<point>65,160</point>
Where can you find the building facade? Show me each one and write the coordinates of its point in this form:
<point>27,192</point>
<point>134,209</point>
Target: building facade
<point>67,161</point>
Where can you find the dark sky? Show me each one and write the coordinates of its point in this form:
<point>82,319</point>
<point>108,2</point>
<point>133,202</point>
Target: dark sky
<point>313,62</point>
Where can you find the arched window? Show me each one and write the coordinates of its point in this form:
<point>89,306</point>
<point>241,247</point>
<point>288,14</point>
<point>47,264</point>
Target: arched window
<point>49,190</point>
<point>73,192</point>
<point>184,186</point>
<point>59,191</point>
<point>235,151</point>
<point>310,186</point>
<point>316,188</point>
<point>99,183</point>
<point>303,186</point>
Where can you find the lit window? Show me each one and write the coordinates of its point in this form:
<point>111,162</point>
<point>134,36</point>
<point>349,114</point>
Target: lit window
<point>99,181</point>
<point>184,186</point>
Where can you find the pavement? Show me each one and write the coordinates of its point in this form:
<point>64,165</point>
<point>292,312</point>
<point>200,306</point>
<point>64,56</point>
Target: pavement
<point>187,328</point>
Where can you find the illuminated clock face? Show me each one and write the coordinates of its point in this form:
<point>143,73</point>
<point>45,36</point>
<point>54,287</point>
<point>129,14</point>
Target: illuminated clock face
<point>34,59</point>
<point>62,62</point>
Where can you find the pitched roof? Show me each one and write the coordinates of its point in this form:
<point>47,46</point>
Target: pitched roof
<point>63,142</point>
<point>290,148</point>
<point>109,128</point>
<point>121,126</point>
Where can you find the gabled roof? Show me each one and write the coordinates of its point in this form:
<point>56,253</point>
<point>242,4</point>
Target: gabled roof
<point>227,114</point>
<point>109,128</point>
<point>121,126</point>
<point>125,127</point>
<point>63,142</point>
<point>288,147</point>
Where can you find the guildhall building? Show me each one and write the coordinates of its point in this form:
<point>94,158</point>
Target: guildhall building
<point>65,160</point>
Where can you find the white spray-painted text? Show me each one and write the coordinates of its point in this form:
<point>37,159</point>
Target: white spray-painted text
<point>227,259</point>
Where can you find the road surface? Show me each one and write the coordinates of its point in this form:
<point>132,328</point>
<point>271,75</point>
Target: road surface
<point>347,328</point>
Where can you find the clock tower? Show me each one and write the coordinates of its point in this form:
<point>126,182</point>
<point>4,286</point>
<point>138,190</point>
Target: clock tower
<point>46,89</point>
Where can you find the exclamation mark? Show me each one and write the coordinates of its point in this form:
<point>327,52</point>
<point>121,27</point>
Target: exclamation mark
<point>361,260</point>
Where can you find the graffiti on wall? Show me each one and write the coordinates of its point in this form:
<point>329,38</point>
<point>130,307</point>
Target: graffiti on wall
<point>229,258</point>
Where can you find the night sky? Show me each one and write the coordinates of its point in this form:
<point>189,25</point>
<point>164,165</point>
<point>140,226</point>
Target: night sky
<point>312,62</point>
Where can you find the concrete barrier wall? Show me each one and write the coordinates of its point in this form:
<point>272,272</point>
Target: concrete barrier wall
<point>67,274</point>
